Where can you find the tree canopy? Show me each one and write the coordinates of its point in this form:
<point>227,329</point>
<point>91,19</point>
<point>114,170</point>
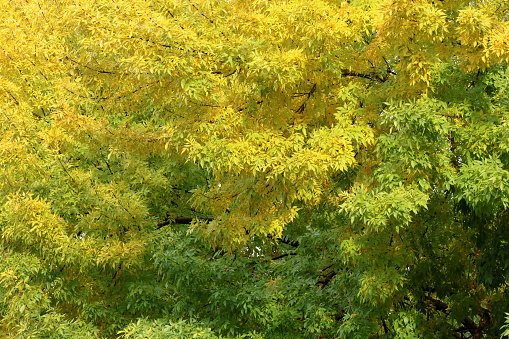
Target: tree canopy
<point>254,168</point>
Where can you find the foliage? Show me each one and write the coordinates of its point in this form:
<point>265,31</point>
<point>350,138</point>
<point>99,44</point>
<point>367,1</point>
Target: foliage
<point>254,169</point>
<point>160,329</point>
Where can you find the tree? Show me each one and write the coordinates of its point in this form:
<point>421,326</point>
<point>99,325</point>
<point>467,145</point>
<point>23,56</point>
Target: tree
<point>254,169</point>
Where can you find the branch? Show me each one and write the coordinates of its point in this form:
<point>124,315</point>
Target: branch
<point>449,116</point>
<point>283,255</point>
<point>384,324</point>
<point>91,68</point>
<point>437,304</point>
<point>12,96</point>
<point>75,184</point>
<point>476,330</point>
<point>308,95</point>
<point>181,221</point>
<point>112,96</point>
<point>371,75</point>
<point>325,279</point>
<point>187,220</point>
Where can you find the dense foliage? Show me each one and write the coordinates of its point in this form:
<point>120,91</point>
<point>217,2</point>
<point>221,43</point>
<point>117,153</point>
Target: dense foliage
<point>254,168</point>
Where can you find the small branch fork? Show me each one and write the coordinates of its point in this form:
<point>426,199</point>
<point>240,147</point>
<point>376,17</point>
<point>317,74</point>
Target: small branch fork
<point>373,76</point>
<point>308,95</point>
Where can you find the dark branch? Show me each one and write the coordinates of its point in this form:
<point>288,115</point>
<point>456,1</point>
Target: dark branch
<point>371,75</point>
<point>187,220</point>
<point>91,68</point>
<point>308,95</point>
<point>476,330</point>
<point>437,304</point>
<point>325,279</point>
<point>449,116</point>
<point>181,221</point>
<point>110,97</point>
<point>282,256</point>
